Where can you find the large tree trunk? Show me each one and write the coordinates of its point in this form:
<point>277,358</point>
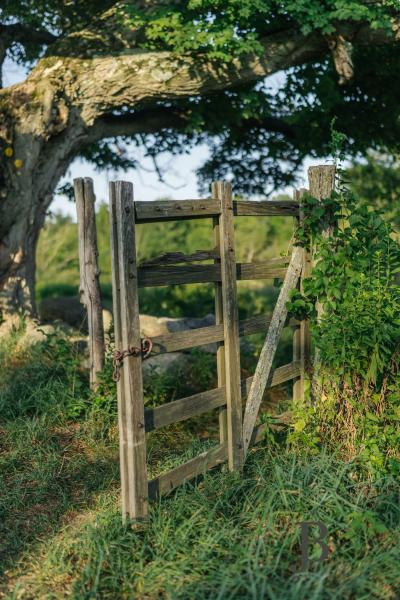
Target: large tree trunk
<point>34,156</point>
<point>18,292</point>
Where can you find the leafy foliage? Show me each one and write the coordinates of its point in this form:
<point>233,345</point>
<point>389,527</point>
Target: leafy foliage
<point>227,28</point>
<point>376,182</point>
<point>357,328</point>
<point>259,133</point>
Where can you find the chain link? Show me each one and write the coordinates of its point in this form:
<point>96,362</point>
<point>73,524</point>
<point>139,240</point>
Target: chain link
<point>119,355</point>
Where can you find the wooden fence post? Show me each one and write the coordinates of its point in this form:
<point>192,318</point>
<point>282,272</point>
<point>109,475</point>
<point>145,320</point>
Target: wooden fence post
<point>219,319</point>
<point>90,295</point>
<point>223,191</point>
<point>116,293</point>
<point>302,335</point>
<point>130,385</point>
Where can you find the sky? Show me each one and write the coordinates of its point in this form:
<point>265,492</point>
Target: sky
<point>180,179</point>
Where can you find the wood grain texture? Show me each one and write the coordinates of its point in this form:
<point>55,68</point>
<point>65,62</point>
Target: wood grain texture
<point>265,208</point>
<point>184,408</point>
<point>184,274</point>
<point>223,191</point>
<point>90,294</point>
<point>276,377</point>
<point>219,319</point>
<point>174,258</point>
<point>302,334</point>
<point>171,210</point>
<point>193,468</point>
<point>191,338</point>
<point>267,354</point>
<point>116,293</point>
<point>167,210</point>
<point>132,365</point>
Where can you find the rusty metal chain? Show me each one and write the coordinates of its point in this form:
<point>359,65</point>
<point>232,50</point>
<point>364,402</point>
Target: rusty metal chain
<point>119,355</point>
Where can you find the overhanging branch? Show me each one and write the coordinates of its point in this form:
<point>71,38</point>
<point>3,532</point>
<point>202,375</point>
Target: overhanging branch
<point>23,34</point>
<point>141,122</point>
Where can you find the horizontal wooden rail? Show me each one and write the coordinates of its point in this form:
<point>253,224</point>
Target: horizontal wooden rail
<point>189,470</point>
<point>265,208</point>
<point>191,338</point>
<point>277,376</point>
<point>185,408</point>
<point>171,210</point>
<point>174,258</point>
<point>175,275</point>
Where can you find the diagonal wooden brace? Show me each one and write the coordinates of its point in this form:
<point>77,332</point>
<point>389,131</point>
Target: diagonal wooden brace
<point>264,364</point>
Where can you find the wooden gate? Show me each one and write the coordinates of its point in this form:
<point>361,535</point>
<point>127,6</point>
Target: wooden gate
<point>175,268</point>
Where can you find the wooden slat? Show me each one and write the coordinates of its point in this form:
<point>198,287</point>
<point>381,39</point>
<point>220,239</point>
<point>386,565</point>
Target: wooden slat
<point>174,258</point>
<point>184,274</point>
<point>89,287</point>
<point>175,275</point>
<point>193,468</point>
<point>263,369</point>
<point>132,365</point>
<point>264,208</point>
<point>277,376</point>
<point>167,210</point>
<point>219,319</point>
<point>184,408</point>
<point>116,291</point>
<point>248,271</point>
<point>191,338</point>
<point>302,334</point>
<point>223,191</point>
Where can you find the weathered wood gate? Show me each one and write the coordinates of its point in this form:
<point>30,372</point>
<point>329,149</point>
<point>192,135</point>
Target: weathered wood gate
<point>175,268</point>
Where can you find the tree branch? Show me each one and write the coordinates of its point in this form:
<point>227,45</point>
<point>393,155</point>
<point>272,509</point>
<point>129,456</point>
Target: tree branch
<point>128,124</point>
<point>23,34</point>
<point>139,78</point>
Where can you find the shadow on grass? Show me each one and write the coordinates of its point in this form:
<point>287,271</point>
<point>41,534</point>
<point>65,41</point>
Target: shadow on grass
<point>47,474</point>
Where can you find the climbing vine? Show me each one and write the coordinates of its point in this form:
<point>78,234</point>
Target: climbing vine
<point>355,281</point>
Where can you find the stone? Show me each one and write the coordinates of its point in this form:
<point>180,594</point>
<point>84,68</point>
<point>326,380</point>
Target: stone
<point>165,363</point>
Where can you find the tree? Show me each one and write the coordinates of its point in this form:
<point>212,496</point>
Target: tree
<point>170,74</point>
<point>376,181</point>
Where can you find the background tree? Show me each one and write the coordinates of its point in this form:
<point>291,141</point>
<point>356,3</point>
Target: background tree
<point>167,75</point>
<point>376,181</point>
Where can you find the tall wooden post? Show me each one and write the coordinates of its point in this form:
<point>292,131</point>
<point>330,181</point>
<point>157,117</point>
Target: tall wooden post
<point>89,288</point>
<point>302,335</point>
<point>130,385</point>
<point>219,319</point>
<point>223,191</point>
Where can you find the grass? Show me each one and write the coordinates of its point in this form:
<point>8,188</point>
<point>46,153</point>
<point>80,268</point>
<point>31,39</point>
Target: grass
<point>229,536</point>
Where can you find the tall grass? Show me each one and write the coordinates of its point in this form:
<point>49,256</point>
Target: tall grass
<point>230,536</point>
